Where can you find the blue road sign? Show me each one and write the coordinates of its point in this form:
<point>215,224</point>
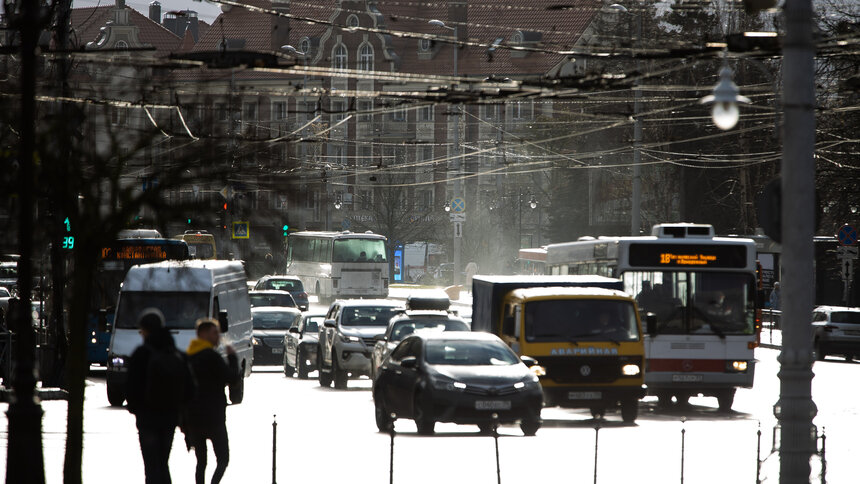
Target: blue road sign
<point>847,235</point>
<point>458,205</point>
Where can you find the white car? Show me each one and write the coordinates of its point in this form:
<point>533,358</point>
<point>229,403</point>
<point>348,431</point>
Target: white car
<point>836,331</point>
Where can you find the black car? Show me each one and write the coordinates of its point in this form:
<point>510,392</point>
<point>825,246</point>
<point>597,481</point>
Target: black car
<point>459,377</point>
<point>300,345</point>
<point>291,284</point>
<point>271,297</point>
<point>270,326</point>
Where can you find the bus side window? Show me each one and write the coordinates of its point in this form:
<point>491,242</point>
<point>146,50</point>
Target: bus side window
<point>508,320</point>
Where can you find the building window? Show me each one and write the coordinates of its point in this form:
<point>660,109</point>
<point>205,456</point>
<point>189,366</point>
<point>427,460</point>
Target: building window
<point>305,46</point>
<point>365,57</point>
<point>249,111</point>
<point>338,110</point>
<point>398,114</point>
<point>279,111</point>
<point>425,113</point>
<point>521,110</point>
<point>424,45</point>
<point>118,116</point>
<point>365,106</point>
<point>339,57</point>
<point>352,21</point>
<point>490,111</point>
<point>121,44</point>
<point>222,112</point>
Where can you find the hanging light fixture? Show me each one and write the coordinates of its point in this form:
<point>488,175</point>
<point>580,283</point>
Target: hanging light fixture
<point>725,99</point>
<point>338,202</point>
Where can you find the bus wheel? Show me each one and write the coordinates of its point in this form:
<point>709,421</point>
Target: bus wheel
<point>725,400</point>
<point>629,410</point>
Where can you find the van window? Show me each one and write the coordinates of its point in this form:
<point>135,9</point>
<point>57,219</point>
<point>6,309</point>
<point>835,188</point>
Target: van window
<point>181,309</point>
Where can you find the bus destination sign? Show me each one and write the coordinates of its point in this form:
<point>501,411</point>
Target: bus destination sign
<point>134,252</point>
<point>688,255</point>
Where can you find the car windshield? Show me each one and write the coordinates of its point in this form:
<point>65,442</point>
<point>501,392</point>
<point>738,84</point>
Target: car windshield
<point>359,250</point>
<point>273,320</point>
<point>283,285</point>
<point>848,317</point>
<point>402,329</point>
<point>200,251</point>
<point>4,292</point>
<point>8,272</point>
<point>461,353</point>
<point>367,315</point>
<point>581,319</point>
<point>181,309</point>
<point>271,300</point>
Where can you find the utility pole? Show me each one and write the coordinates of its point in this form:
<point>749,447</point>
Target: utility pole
<point>795,409</point>
<point>24,461</point>
<point>636,215</point>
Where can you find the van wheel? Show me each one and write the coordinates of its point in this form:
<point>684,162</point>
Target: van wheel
<point>629,410</point>
<point>237,391</point>
<point>115,396</point>
<point>340,376</point>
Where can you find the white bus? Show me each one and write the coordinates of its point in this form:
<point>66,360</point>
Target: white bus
<point>701,290</point>
<point>339,264</point>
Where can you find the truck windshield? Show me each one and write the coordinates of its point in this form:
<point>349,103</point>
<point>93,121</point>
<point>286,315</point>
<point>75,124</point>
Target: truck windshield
<point>181,309</point>
<point>580,320</point>
<point>359,250</point>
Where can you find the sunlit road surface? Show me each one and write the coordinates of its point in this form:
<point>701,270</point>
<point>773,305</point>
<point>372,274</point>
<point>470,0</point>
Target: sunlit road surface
<point>327,436</point>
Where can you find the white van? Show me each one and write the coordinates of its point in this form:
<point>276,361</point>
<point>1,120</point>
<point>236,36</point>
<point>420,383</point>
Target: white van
<point>184,291</point>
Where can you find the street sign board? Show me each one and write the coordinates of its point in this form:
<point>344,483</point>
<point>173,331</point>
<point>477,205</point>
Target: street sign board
<point>458,217</point>
<point>847,252</point>
<point>241,230</point>
<point>847,235</point>
<point>458,205</point>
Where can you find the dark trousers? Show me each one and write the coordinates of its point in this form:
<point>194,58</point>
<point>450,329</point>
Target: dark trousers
<point>156,439</point>
<point>218,435</point>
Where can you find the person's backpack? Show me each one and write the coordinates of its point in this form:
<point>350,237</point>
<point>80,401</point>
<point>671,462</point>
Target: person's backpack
<point>168,380</point>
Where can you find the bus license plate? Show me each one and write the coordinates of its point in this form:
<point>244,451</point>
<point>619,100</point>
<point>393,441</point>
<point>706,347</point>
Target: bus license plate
<point>687,378</point>
<point>584,395</point>
<point>493,405</point>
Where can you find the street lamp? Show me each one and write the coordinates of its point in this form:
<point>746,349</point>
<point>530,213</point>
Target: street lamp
<point>447,206</point>
<point>338,202</point>
<point>725,98</point>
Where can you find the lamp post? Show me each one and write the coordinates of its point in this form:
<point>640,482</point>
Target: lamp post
<point>636,196</point>
<point>458,189</point>
<point>725,100</point>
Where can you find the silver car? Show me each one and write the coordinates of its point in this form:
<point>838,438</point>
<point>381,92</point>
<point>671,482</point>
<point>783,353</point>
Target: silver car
<point>836,331</point>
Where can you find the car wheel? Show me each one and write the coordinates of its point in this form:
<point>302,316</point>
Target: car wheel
<point>383,419</point>
<point>725,400</point>
<point>849,357</point>
<point>115,396</point>
<point>597,413</point>
<point>819,351</point>
<point>340,376</point>
<point>324,376</point>
<point>423,420</point>
<point>302,364</point>
<point>529,427</point>
<point>486,428</point>
<point>629,410</point>
<point>288,369</point>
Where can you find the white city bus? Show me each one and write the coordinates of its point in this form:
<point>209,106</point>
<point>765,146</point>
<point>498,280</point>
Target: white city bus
<point>339,264</point>
<point>702,292</point>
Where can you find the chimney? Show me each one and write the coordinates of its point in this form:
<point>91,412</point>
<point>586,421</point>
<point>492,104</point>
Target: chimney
<point>155,12</point>
<point>458,14</point>
<point>280,25</point>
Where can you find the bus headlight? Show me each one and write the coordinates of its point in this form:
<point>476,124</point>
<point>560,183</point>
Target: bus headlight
<point>738,366</point>
<point>630,370</point>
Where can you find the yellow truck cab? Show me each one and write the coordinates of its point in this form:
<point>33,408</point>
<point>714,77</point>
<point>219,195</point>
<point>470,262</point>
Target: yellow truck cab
<point>201,244</point>
<point>587,341</point>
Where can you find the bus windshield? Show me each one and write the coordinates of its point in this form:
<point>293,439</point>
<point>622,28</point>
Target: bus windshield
<point>717,303</point>
<point>181,309</point>
<point>580,320</point>
<point>359,250</point>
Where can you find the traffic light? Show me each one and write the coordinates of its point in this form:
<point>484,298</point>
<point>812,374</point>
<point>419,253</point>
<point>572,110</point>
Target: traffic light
<point>286,227</point>
<point>188,221</point>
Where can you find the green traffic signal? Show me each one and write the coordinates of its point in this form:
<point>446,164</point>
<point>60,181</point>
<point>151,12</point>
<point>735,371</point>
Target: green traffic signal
<point>286,227</point>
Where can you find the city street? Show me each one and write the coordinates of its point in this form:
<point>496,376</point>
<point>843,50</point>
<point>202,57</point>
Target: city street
<point>326,435</point>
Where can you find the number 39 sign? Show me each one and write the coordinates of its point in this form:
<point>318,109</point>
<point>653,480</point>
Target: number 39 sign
<point>68,239</point>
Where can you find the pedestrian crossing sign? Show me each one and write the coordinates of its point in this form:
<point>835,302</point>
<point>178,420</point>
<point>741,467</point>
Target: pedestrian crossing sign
<point>241,230</point>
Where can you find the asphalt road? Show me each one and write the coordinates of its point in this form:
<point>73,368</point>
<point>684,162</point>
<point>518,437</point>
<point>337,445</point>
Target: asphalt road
<point>327,436</point>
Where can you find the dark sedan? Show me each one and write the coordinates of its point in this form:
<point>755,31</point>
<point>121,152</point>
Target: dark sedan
<point>291,284</point>
<point>271,297</point>
<point>270,326</point>
<point>300,345</point>
<point>459,377</point>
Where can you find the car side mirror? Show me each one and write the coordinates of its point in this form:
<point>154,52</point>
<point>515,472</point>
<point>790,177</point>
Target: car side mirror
<point>409,362</point>
<point>529,361</point>
<point>222,320</point>
<point>103,324</point>
<point>651,324</point>
<point>329,323</point>
<point>294,329</point>
<point>380,337</point>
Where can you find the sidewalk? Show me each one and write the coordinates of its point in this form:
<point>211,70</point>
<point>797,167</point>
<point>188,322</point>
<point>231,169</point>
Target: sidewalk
<point>771,338</point>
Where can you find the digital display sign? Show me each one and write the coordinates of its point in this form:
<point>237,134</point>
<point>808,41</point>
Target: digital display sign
<point>688,255</point>
<point>141,251</point>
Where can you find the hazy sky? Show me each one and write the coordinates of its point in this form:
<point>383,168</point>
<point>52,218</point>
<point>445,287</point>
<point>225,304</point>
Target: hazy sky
<point>205,11</point>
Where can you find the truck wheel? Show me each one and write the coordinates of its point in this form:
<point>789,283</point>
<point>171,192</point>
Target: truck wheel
<point>237,391</point>
<point>115,396</point>
<point>629,410</point>
<point>302,364</point>
<point>725,400</point>
<point>664,399</point>
<point>383,419</point>
<point>340,376</point>
<point>423,420</point>
<point>288,368</point>
<point>324,376</point>
<point>529,427</point>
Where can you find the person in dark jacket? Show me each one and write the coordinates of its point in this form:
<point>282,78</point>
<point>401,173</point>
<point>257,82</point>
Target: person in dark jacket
<point>206,416</point>
<point>156,424</point>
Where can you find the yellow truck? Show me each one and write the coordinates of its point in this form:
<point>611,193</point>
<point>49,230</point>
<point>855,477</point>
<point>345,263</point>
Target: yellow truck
<point>580,334</point>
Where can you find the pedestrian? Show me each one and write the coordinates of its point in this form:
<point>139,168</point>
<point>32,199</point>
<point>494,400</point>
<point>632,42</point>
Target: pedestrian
<point>206,416</point>
<point>159,385</point>
<point>774,297</point>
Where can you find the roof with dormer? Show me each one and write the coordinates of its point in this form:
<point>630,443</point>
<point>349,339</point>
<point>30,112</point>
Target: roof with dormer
<point>88,21</point>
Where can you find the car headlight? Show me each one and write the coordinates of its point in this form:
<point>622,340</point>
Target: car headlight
<point>256,341</point>
<point>351,339</point>
<point>537,370</point>
<point>449,385</point>
<point>117,361</point>
<point>630,370</point>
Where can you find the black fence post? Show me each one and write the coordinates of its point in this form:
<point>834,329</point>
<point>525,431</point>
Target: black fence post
<point>391,433</point>
<point>823,456</point>
<point>596,437</point>
<point>683,437</point>
<point>758,455</point>
<point>496,439</point>
<point>274,447</point>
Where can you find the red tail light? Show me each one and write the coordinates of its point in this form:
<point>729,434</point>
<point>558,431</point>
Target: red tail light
<point>303,294</point>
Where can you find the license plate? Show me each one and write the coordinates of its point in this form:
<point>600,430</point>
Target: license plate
<point>584,395</point>
<point>687,378</point>
<point>493,405</point>
<point>277,351</point>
